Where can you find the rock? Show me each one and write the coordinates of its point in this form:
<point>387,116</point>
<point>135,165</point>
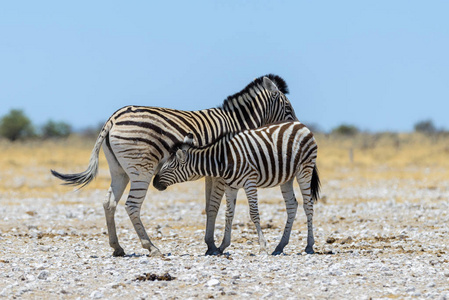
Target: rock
<point>213,282</point>
<point>96,295</point>
<point>43,275</point>
<point>330,240</point>
<point>69,215</point>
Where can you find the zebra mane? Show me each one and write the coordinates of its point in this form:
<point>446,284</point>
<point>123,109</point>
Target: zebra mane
<point>278,81</point>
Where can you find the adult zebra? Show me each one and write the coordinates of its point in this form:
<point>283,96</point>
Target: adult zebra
<point>138,140</point>
<point>265,157</point>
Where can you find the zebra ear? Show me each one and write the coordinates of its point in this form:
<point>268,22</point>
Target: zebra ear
<point>189,139</point>
<point>269,85</point>
<point>181,155</point>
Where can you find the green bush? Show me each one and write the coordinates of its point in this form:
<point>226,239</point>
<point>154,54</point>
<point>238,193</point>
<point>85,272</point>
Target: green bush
<point>425,126</point>
<point>54,129</point>
<point>16,125</point>
<point>345,129</point>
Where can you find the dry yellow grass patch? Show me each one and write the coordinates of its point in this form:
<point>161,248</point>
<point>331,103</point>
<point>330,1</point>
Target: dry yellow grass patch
<point>384,156</point>
<point>25,166</point>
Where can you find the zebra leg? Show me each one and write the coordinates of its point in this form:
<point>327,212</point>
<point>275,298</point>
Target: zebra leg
<point>115,192</point>
<point>304,180</point>
<point>214,194</point>
<point>251,194</point>
<point>231,197</point>
<point>118,184</point>
<point>291,206</point>
<point>133,204</point>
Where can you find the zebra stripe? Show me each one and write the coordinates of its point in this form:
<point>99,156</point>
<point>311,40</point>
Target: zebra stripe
<point>138,139</point>
<point>264,157</point>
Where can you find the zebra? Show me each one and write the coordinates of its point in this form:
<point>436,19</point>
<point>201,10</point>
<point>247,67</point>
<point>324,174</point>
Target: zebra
<point>136,141</point>
<point>264,157</point>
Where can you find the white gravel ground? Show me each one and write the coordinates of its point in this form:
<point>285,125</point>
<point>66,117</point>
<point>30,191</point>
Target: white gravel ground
<point>389,240</point>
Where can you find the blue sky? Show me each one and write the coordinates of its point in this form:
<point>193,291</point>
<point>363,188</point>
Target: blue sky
<point>380,65</point>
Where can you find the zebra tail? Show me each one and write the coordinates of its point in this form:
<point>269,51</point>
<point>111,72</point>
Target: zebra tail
<point>315,184</point>
<point>84,178</point>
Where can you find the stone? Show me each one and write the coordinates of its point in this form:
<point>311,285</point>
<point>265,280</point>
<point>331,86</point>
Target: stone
<point>43,275</point>
<point>96,295</point>
<point>213,282</point>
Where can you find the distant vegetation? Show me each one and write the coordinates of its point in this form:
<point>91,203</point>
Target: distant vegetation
<point>345,129</point>
<point>17,126</point>
<point>92,131</point>
<point>53,129</point>
<point>426,126</point>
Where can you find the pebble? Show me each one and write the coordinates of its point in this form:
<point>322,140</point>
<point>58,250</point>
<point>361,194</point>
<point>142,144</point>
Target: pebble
<point>213,282</point>
<point>96,295</point>
<point>43,275</point>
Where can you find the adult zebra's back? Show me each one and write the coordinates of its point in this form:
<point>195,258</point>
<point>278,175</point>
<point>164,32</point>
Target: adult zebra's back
<point>137,140</point>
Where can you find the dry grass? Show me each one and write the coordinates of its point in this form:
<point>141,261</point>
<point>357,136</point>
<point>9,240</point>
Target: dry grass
<point>384,156</point>
<point>25,166</point>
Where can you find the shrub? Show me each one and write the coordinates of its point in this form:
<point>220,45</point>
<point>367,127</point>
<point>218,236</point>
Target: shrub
<point>425,126</point>
<point>16,125</point>
<point>345,129</point>
<point>54,129</point>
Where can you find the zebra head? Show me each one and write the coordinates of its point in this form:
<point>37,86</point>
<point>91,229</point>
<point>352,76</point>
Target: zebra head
<point>279,107</point>
<point>176,169</point>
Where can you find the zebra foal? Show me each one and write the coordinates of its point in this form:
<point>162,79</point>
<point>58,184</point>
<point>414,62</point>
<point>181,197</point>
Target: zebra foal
<point>137,139</point>
<point>264,157</point>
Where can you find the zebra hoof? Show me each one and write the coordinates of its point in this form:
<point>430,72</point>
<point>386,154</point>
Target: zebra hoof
<point>213,251</point>
<point>118,252</point>
<point>155,253</point>
<point>275,253</point>
<point>309,250</point>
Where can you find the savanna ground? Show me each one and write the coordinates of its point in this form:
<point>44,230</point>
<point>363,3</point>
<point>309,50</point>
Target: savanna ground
<point>381,229</point>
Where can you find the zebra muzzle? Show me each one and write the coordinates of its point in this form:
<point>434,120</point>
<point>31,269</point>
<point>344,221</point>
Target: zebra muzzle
<point>157,183</point>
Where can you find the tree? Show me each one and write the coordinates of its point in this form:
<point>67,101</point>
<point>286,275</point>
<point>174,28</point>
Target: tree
<point>16,125</point>
<point>345,129</point>
<point>425,126</point>
<point>54,129</point>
